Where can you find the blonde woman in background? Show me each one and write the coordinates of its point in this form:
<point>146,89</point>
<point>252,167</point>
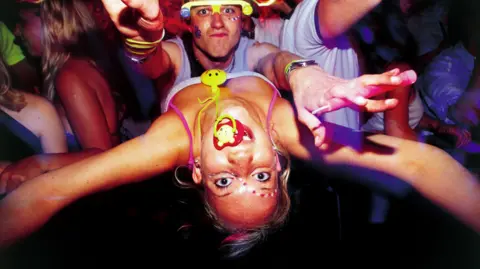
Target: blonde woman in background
<point>80,76</point>
<point>34,113</point>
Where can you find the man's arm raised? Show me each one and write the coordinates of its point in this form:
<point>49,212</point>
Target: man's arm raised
<point>142,21</point>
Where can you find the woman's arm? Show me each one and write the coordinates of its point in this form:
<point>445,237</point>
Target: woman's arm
<point>431,171</point>
<point>336,17</point>
<point>31,205</point>
<point>15,174</point>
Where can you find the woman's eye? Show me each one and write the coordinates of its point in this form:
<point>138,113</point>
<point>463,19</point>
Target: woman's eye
<point>262,177</point>
<point>223,182</point>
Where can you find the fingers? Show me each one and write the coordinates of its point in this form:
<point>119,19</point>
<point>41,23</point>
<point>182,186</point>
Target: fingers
<point>393,72</point>
<point>122,12</point>
<point>374,106</point>
<point>358,90</point>
<point>355,92</point>
<point>314,124</point>
<point>116,9</point>
<point>113,8</point>
<point>408,77</point>
<point>330,105</point>
<point>368,105</point>
<point>377,84</point>
<point>380,79</point>
<point>148,9</point>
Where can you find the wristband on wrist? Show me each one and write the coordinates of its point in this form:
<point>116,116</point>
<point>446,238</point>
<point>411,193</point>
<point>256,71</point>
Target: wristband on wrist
<point>296,64</point>
<point>139,51</point>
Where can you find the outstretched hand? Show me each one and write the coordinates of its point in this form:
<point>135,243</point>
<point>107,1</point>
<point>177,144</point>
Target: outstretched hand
<point>140,19</point>
<point>316,93</point>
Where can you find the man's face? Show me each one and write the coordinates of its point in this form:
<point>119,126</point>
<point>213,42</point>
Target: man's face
<point>406,5</point>
<point>216,32</point>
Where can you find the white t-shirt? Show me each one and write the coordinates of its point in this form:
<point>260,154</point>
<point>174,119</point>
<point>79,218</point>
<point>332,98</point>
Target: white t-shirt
<point>335,56</point>
<point>269,30</point>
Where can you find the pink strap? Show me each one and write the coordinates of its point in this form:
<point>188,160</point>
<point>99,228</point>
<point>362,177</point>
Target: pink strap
<point>190,137</point>
<point>270,109</point>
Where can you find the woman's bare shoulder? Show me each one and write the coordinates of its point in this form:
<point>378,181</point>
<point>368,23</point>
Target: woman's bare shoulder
<point>38,103</point>
<point>37,115</point>
<point>73,73</point>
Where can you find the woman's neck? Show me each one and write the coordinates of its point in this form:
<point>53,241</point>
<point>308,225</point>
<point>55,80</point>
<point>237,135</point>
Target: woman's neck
<point>208,117</point>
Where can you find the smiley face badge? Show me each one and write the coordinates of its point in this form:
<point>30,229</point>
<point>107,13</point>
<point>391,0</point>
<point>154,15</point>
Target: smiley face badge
<point>227,134</point>
<point>213,78</point>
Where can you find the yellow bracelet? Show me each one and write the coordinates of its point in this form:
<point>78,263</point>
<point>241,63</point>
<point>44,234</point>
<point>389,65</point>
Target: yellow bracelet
<point>132,41</point>
<point>296,64</point>
<point>140,53</point>
<point>141,47</point>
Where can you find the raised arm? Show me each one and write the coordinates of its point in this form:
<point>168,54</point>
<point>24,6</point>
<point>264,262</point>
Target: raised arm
<point>431,171</point>
<point>142,20</point>
<point>335,17</point>
<point>32,204</point>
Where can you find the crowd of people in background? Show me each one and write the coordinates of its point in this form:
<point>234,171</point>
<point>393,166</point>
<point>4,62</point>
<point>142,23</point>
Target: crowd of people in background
<point>89,83</point>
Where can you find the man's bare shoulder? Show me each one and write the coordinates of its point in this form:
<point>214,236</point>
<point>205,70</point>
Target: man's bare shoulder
<point>258,51</point>
<point>174,52</point>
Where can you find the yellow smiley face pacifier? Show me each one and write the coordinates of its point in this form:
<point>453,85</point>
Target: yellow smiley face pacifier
<point>213,77</point>
<point>228,132</point>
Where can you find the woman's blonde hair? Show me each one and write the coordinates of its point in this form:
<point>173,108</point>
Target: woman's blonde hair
<point>65,24</point>
<point>9,98</point>
<point>241,241</point>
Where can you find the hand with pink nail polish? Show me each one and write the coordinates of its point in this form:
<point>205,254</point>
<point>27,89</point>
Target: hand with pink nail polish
<point>316,92</point>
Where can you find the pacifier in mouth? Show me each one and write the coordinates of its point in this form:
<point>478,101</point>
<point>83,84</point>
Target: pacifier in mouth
<point>229,133</point>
